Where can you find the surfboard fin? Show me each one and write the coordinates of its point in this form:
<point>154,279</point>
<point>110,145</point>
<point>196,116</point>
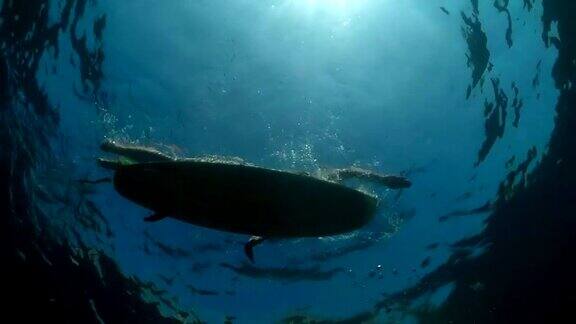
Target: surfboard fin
<point>249,246</point>
<point>154,217</point>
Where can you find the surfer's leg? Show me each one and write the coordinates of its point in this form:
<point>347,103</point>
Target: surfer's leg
<point>135,153</point>
<point>390,181</point>
<point>249,246</point>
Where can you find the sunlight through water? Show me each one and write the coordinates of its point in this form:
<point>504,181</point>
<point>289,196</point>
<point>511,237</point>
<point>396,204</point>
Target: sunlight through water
<point>325,8</point>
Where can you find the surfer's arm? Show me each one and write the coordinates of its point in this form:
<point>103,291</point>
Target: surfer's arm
<point>249,246</point>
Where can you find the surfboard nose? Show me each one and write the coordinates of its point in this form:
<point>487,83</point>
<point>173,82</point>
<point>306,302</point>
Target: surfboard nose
<point>142,185</point>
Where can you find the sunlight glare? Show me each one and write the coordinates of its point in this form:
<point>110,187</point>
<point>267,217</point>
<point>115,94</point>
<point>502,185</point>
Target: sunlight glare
<point>330,7</point>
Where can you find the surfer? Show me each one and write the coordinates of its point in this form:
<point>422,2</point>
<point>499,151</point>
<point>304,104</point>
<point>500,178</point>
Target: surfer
<point>231,195</point>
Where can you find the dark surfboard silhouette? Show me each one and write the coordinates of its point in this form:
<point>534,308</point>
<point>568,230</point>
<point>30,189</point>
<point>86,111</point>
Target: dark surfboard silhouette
<point>245,199</point>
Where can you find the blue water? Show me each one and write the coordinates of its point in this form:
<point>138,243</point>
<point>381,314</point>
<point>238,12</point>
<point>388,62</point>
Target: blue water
<point>297,85</point>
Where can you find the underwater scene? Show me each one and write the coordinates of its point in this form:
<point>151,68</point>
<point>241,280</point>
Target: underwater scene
<point>288,161</point>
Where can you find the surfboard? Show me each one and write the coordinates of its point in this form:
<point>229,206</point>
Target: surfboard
<point>245,199</point>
